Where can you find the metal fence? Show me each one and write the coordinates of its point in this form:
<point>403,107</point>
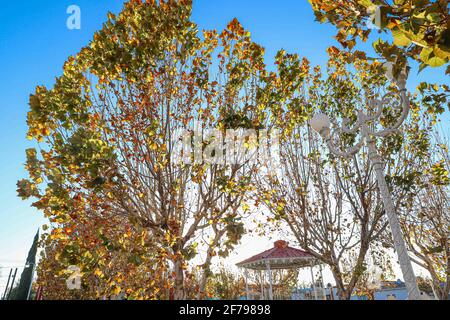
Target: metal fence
<point>9,279</point>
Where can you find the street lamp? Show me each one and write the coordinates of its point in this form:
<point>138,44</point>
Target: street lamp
<point>321,123</point>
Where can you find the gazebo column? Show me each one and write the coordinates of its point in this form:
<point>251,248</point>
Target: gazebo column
<point>323,283</point>
<point>262,284</point>
<point>246,285</point>
<point>313,281</point>
<point>270,280</point>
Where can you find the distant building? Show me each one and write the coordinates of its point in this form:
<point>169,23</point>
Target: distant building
<point>389,290</point>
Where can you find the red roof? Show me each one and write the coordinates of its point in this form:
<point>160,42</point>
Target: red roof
<point>281,250</point>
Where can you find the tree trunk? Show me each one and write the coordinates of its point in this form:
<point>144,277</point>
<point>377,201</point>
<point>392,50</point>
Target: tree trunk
<point>206,266</point>
<point>204,279</point>
<point>441,293</point>
<point>179,279</point>
<point>345,295</point>
<point>341,291</point>
<point>206,273</point>
<point>358,269</point>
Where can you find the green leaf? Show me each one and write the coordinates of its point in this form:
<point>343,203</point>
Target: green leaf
<point>400,38</point>
<point>441,52</point>
<point>377,44</point>
<point>365,3</point>
<point>434,17</point>
<point>422,67</point>
<point>429,57</point>
<point>435,61</point>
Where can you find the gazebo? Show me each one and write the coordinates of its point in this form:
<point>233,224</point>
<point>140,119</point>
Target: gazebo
<point>281,256</point>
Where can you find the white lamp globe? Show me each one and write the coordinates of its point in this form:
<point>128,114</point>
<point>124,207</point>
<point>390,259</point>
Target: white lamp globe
<point>319,122</point>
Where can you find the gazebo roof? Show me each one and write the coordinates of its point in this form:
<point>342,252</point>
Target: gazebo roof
<point>281,256</point>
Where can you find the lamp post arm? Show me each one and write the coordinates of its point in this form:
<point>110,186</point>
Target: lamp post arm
<point>346,129</point>
<point>378,104</point>
<point>347,153</point>
<point>405,111</point>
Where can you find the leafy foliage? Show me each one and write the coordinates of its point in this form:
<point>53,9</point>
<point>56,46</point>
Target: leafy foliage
<point>420,29</point>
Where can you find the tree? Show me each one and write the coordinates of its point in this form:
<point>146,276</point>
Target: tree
<point>23,288</point>
<point>425,217</point>
<point>110,256</point>
<point>225,285</point>
<point>110,130</point>
<point>427,228</point>
<point>420,29</point>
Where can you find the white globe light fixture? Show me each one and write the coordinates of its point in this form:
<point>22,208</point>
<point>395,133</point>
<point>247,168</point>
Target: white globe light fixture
<point>320,122</point>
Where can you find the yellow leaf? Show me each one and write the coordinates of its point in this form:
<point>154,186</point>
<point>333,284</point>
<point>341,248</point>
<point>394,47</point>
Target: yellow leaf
<point>116,290</point>
<point>98,273</point>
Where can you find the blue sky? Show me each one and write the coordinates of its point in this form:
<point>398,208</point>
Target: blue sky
<point>34,43</point>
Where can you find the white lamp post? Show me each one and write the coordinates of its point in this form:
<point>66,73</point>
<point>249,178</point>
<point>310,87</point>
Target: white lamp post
<point>321,124</point>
